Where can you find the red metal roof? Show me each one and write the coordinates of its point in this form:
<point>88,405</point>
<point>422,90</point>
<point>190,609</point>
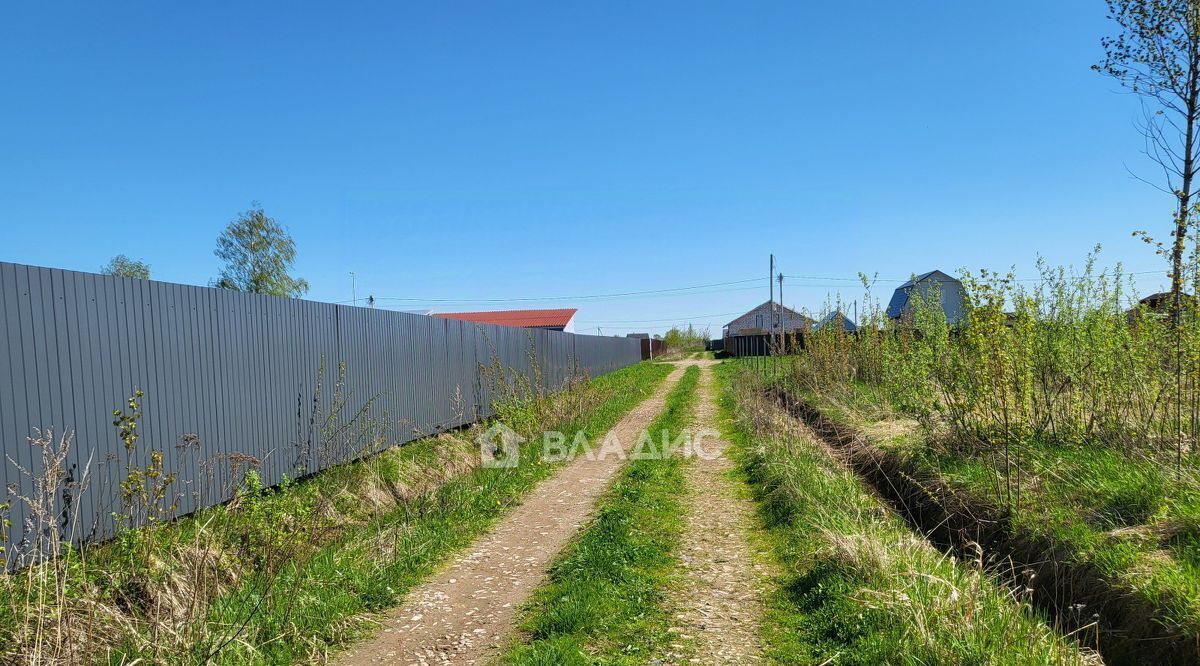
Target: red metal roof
<point>520,318</point>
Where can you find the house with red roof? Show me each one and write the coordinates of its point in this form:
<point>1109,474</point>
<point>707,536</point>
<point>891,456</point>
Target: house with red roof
<point>551,320</point>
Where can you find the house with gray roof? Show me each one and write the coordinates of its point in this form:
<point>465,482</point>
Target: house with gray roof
<point>934,284</point>
<point>837,319</point>
<point>758,321</point>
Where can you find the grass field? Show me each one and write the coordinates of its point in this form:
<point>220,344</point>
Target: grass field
<point>605,602</point>
<point>287,574</point>
<point>1058,415</point>
<point>859,587</point>
<point>1132,518</point>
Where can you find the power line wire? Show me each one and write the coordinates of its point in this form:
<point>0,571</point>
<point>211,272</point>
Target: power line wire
<point>442,305</point>
<point>652,321</point>
<point>901,280</point>
<point>576,297</point>
<point>699,289</point>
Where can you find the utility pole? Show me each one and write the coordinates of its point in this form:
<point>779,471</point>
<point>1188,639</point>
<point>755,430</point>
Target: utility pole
<point>782,315</point>
<point>771,284</point>
<point>353,294</point>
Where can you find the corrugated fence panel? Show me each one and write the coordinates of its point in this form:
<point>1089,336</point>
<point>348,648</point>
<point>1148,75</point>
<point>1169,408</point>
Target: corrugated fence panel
<point>236,381</point>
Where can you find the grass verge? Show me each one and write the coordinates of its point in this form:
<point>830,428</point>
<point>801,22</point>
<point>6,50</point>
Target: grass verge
<point>858,586</point>
<point>605,602</point>
<point>1130,520</point>
<point>287,574</point>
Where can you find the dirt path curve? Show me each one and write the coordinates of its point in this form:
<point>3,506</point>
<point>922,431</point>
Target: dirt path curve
<point>719,602</point>
<point>461,615</point>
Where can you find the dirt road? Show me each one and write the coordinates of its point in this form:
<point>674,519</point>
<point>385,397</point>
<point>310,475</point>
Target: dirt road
<point>718,605</point>
<point>462,614</point>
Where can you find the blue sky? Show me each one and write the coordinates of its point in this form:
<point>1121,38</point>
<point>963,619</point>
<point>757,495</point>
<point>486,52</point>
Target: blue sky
<point>513,150</point>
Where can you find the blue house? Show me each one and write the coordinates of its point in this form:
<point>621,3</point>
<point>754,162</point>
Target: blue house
<point>837,319</point>
<point>934,284</point>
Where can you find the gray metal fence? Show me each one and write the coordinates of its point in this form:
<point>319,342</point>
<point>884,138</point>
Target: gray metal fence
<point>231,379</point>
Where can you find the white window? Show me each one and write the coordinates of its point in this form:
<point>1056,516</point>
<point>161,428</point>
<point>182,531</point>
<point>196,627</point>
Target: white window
<point>758,321</point>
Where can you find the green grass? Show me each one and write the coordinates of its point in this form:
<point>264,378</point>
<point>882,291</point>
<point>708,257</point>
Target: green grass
<point>1134,518</point>
<point>350,577</point>
<point>858,586</point>
<point>328,577</point>
<point>606,600</point>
